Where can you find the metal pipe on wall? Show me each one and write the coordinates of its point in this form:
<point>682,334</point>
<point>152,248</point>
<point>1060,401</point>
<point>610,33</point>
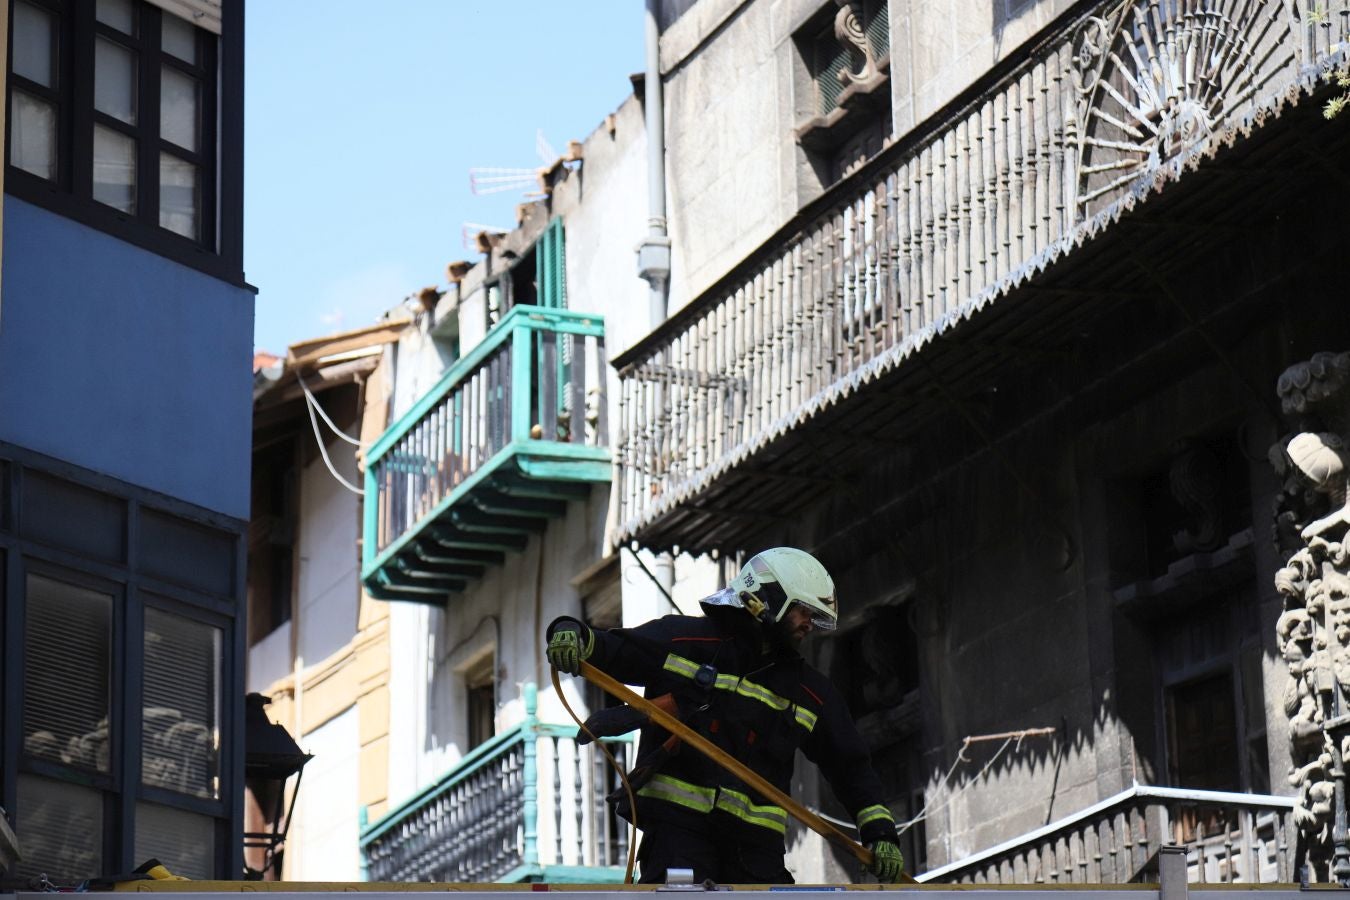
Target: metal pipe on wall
<point>654,251</point>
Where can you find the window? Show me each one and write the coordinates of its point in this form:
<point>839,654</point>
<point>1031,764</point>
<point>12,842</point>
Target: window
<point>180,724</point>
<point>1196,503</point>
<point>482,701</point>
<point>272,535</point>
<point>835,63</point>
<point>113,120</point>
<point>538,278</point>
<point>68,732</point>
<point>120,627</point>
<point>1213,696</point>
<point>844,98</point>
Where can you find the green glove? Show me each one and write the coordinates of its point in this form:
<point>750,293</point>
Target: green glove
<point>570,645</point>
<point>887,863</point>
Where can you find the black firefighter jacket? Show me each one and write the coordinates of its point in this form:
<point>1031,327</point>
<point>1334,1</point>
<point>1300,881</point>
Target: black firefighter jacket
<point>758,703</point>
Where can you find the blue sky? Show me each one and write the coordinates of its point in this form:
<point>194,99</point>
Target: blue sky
<point>362,121</point>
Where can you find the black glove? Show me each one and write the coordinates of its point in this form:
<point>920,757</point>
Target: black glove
<point>569,646</point>
<point>887,862</point>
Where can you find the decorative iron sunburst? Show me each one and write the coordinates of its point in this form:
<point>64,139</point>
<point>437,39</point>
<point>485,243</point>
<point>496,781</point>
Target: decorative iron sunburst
<point>1154,78</point>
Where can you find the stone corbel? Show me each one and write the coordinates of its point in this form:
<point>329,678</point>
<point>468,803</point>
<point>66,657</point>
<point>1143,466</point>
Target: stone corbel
<point>864,91</point>
<point>849,32</point>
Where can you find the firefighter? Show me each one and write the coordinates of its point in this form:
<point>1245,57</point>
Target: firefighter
<point>735,676</point>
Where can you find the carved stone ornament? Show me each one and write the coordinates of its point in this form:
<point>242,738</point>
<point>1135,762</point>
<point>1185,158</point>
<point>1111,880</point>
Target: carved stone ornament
<point>1313,632</point>
<point>849,32</point>
<point>1194,479</point>
<point>1153,79</point>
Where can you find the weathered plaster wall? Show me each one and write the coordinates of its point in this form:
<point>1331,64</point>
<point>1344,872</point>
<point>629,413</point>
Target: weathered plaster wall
<point>327,560</point>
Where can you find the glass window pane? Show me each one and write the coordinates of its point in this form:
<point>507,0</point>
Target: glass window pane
<point>179,196</point>
<point>119,14</point>
<point>32,135</point>
<point>181,726</point>
<point>179,38</point>
<point>67,636</point>
<point>184,842</point>
<point>114,169</point>
<point>33,32</point>
<point>115,80</point>
<point>178,109</point>
<point>62,828</point>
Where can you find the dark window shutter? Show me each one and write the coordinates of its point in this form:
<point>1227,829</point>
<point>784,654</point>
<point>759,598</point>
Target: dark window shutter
<point>831,57</point>
<point>67,641</point>
<point>550,261</point>
<point>181,724</point>
<point>184,842</point>
<point>61,830</point>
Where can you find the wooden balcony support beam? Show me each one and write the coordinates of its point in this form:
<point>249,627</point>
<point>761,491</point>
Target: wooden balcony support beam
<point>430,551</point>
<point>419,568</point>
<point>475,521</point>
<point>516,486</point>
<point>412,581</point>
<point>500,504</point>
<point>455,539</point>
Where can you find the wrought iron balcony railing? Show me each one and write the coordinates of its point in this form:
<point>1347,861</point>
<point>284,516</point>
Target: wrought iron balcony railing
<point>508,435</point>
<point>1116,100</point>
<point>527,805</point>
<point>1227,837</point>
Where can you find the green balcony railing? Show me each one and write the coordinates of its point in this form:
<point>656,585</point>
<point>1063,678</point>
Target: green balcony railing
<point>527,805</point>
<point>505,439</point>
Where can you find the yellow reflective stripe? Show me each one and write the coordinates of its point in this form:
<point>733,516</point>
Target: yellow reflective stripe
<point>739,805</point>
<point>681,666</point>
<point>726,683</point>
<point>874,813</point>
<point>705,799</point>
<point>762,694</point>
<point>682,793</point>
<point>744,687</point>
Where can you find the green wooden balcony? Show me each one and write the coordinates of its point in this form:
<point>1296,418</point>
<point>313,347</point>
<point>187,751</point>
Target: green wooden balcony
<point>505,439</point>
<point>527,805</point>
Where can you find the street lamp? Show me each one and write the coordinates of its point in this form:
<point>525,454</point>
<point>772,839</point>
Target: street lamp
<point>271,757</point>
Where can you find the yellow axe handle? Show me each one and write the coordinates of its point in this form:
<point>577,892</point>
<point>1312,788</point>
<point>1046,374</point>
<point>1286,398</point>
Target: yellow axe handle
<point>731,764</point>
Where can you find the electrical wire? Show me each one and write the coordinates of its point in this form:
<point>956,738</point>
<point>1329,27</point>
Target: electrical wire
<point>314,402</point>
<point>323,450</point>
<point>623,777</point>
<point>960,758</point>
<point>659,586</point>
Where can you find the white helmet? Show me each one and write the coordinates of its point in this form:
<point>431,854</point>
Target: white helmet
<point>772,580</point>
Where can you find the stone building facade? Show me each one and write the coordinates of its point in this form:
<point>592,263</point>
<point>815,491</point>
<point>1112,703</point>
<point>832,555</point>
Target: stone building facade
<point>982,303</point>
<point>1010,372</point>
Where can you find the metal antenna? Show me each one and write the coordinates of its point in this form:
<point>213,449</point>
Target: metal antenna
<point>547,155</point>
<point>496,180</point>
<point>500,179</point>
<point>470,230</point>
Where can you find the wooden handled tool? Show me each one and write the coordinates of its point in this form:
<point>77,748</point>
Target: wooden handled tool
<point>732,765</point>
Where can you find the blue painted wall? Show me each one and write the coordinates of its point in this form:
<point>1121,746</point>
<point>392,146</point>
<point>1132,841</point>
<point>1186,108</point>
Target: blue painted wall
<point>120,361</point>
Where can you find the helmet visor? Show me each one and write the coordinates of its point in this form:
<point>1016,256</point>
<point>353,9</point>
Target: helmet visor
<point>823,616</point>
<point>821,609</point>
